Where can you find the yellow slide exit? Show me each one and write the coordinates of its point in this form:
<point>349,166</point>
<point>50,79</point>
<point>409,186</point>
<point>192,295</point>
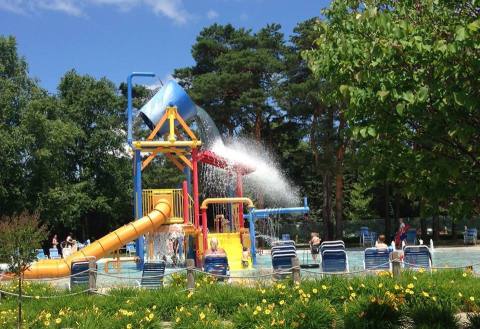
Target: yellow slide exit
<point>233,247</point>
<point>50,268</point>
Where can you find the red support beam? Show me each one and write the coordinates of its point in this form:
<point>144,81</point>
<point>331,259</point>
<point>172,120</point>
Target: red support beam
<point>196,206</point>
<point>240,205</point>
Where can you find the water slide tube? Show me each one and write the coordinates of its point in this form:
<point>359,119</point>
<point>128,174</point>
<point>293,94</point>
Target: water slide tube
<point>51,268</point>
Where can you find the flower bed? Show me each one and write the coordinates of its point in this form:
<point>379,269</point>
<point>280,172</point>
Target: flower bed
<point>375,301</point>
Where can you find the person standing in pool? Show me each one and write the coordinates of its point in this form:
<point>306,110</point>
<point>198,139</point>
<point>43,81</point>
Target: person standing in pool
<point>315,245</point>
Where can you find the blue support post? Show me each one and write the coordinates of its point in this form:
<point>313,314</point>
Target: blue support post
<point>137,164</point>
<point>139,243</point>
<point>129,101</point>
<point>251,223</point>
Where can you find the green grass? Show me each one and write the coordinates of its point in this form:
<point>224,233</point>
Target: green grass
<point>375,301</point>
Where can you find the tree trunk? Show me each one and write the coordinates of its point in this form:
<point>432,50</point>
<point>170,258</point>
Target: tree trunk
<point>258,125</point>
<point>436,226</point>
<point>454,230</point>
<point>397,208</point>
<point>423,228</point>
<point>388,232</point>
<point>19,319</point>
<point>327,206</point>
<point>339,185</point>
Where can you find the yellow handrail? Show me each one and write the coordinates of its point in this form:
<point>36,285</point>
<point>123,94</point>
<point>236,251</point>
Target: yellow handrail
<point>208,201</point>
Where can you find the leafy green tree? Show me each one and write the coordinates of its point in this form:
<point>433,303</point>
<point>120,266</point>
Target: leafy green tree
<point>235,76</point>
<point>408,72</point>
<point>17,89</point>
<point>20,235</point>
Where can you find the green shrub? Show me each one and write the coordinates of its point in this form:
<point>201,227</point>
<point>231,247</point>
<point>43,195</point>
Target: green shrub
<point>198,318</point>
<point>435,314</point>
<point>374,312</point>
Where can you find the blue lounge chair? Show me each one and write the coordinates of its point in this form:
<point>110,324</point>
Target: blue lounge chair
<point>332,245</point>
<point>417,257</point>
<point>216,265</point>
<point>130,248</point>
<point>80,274</point>
<point>54,253</point>
<point>282,254</point>
<point>470,236</point>
<point>411,237</point>
<point>376,259</point>
<point>334,261</point>
<point>40,254</point>
<point>367,237</point>
<point>152,275</point>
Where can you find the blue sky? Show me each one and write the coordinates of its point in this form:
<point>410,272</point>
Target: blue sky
<point>114,37</point>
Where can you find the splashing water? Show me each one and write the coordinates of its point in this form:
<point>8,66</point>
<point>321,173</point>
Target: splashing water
<point>267,182</point>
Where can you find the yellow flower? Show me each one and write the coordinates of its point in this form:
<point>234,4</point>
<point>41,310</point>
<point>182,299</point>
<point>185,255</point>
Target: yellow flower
<point>267,311</point>
<point>380,285</point>
<point>464,275</point>
<point>425,294</point>
<point>414,277</point>
<point>151,315</point>
<point>48,315</point>
<point>190,294</point>
<point>397,287</point>
<point>46,323</point>
<point>460,294</point>
<point>37,297</point>
<point>154,307</point>
<point>472,298</point>
<point>350,288</point>
<point>129,326</point>
<point>58,320</point>
<point>264,301</point>
<point>255,312</point>
<point>421,270</point>
<point>281,302</point>
<point>314,290</point>
<point>434,298</point>
<point>410,286</point>
<point>353,295</point>
<point>202,316</point>
<point>177,320</point>
<point>324,287</point>
<point>362,285</point>
<point>259,308</point>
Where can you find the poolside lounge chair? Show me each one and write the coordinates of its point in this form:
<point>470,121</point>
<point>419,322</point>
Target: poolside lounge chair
<point>130,248</point>
<point>282,254</point>
<point>411,237</point>
<point>367,237</point>
<point>80,274</point>
<point>332,245</point>
<point>470,236</point>
<point>216,265</point>
<point>417,257</point>
<point>53,252</point>
<point>152,275</point>
<point>376,259</point>
<point>40,254</point>
<point>334,261</point>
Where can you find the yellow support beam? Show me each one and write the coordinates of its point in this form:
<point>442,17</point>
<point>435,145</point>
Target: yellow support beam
<point>208,201</point>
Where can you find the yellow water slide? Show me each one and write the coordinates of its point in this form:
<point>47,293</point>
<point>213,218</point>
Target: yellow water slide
<point>50,268</point>
<point>232,245</point>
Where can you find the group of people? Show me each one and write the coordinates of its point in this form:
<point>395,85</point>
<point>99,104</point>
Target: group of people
<point>315,240</point>
<point>68,246</point>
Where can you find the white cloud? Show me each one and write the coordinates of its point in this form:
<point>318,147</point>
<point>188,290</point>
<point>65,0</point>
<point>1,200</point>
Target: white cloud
<point>69,7</point>
<point>172,9</point>
<point>212,14</point>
